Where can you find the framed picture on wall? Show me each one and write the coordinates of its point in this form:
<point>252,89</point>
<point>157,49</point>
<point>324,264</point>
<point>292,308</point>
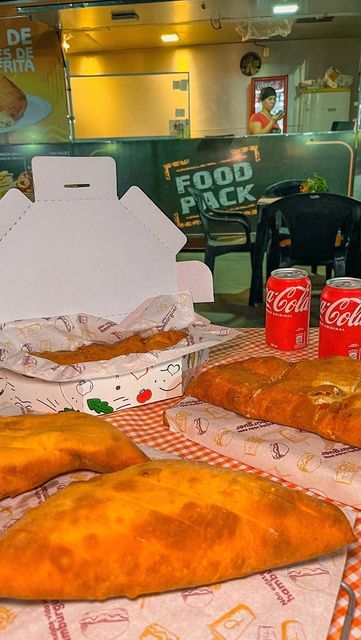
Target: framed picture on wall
<point>280,85</point>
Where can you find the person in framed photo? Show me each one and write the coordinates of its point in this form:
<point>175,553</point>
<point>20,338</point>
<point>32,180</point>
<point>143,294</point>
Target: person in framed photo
<point>264,121</point>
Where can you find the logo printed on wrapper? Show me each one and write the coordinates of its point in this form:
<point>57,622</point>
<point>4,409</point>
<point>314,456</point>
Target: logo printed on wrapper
<point>200,425</point>
<point>274,582</point>
<point>266,632</point>
<point>200,597</point>
<point>292,629</point>
<point>310,576</point>
<point>233,623</point>
<point>54,614</point>
<point>308,462</point>
<point>279,450</point>
<point>105,624</point>
<point>7,616</point>
<point>181,418</point>
<point>346,472</point>
<point>251,445</point>
<point>156,631</point>
<point>224,437</point>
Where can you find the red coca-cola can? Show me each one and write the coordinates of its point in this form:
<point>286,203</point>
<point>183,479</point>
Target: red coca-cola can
<point>340,318</point>
<point>288,301</point>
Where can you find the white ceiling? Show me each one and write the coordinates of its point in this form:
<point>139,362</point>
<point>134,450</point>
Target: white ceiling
<point>140,36</point>
<point>196,22</point>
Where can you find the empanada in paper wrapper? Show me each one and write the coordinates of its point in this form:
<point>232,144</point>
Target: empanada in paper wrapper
<point>159,526</point>
<point>100,351</point>
<point>320,396</point>
<point>35,448</point>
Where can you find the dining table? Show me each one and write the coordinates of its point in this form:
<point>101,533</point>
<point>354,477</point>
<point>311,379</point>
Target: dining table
<point>145,425</point>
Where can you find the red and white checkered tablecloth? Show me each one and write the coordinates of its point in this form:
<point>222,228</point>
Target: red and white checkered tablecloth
<point>145,426</point>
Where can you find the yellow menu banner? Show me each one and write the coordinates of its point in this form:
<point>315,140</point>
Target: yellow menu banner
<point>33,105</point>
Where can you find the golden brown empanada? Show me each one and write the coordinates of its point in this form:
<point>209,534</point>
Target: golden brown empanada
<point>13,102</point>
<point>160,526</point>
<point>321,396</point>
<point>101,351</point>
<point>35,448</point>
<point>164,339</point>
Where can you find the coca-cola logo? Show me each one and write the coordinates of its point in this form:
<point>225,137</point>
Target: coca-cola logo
<point>345,311</point>
<point>290,300</point>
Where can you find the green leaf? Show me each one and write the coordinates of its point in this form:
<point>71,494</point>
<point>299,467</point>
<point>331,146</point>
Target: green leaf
<point>315,184</point>
<point>99,406</point>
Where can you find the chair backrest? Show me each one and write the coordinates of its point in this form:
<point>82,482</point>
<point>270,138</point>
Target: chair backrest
<point>284,188</point>
<point>217,222</point>
<point>201,208</point>
<point>313,221</point>
<point>342,125</point>
<point>222,135</point>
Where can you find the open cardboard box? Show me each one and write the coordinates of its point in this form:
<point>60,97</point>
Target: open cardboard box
<point>79,248</point>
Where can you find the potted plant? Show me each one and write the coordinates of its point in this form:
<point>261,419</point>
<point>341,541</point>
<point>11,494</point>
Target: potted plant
<point>314,184</point>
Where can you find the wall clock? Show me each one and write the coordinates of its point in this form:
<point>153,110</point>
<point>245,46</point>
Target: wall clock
<point>250,64</point>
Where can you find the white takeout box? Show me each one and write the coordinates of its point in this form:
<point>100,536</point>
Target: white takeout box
<point>79,248</point>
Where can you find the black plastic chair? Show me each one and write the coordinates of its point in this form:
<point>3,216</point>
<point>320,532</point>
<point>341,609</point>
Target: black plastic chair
<point>280,190</point>
<point>224,231</point>
<point>320,227</point>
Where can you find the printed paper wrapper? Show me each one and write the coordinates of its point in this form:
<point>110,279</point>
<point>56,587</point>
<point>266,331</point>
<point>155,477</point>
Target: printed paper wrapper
<point>293,602</point>
<point>39,385</point>
<point>329,469</point>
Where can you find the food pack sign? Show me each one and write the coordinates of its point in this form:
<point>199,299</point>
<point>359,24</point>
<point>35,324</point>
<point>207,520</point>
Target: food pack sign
<point>16,53</point>
<point>227,183</point>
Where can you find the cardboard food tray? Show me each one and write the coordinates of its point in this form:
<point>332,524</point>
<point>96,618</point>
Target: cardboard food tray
<point>78,247</point>
<point>41,386</point>
<point>329,469</point>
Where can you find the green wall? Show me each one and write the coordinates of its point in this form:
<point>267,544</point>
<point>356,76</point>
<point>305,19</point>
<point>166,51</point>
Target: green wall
<point>232,172</point>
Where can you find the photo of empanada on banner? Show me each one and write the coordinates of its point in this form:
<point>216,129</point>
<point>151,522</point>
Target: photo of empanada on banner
<point>32,86</point>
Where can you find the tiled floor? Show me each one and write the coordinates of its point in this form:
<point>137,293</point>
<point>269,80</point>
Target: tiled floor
<point>232,278</point>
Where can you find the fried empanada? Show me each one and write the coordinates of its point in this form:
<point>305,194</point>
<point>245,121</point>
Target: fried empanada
<point>320,396</point>
<point>13,102</point>
<point>35,448</point>
<point>102,351</point>
<point>160,526</point>
<point>163,340</point>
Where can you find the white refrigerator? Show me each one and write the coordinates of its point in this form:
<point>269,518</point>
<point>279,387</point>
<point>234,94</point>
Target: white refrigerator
<point>319,108</point>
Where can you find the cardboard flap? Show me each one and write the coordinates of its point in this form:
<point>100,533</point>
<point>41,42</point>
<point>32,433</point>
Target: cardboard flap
<point>156,220</point>
<point>63,178</point>
<point>13,205</point>
<point>69,255</point>
<point>197,278</point>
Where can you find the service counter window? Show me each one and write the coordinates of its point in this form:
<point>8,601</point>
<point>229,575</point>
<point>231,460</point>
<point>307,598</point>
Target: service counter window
<point>126,106</point>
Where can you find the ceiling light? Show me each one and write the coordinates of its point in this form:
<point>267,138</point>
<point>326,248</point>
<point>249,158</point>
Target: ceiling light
<point>170,37</point>
<point>279,9</point>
